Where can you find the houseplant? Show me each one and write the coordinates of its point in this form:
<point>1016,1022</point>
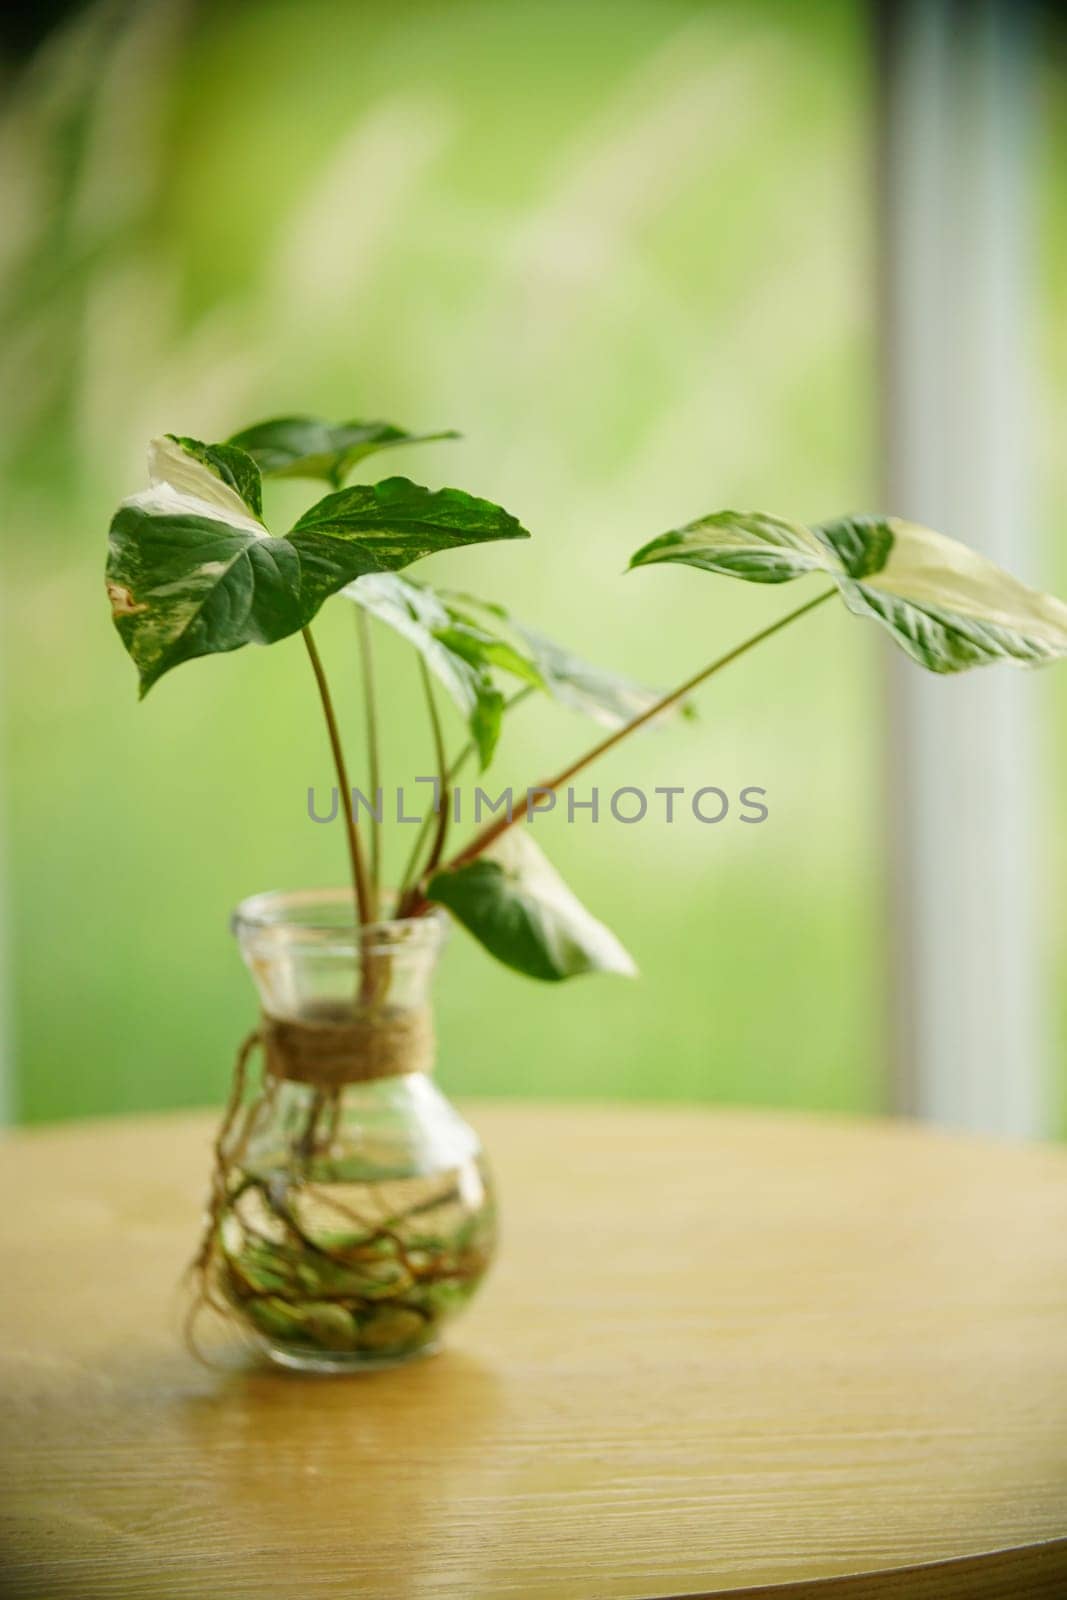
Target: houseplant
<point>351,1210</point>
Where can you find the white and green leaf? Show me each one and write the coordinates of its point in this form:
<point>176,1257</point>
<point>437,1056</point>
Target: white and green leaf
<point>465,642</point>
<point>606,697</point>
<point>308,447</point>
<point>950,608</point>
<point>740,544</point>
<point>516,904</point>
<point>946,606</point>
<point>417,613</point>
<point>192,571</point>
<point>175,459</point>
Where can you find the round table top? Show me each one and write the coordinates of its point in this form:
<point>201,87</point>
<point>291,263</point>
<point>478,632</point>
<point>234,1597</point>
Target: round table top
<point>720,1350</point>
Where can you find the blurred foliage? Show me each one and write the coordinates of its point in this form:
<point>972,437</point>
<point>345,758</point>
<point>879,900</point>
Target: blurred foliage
<point>625,249</point>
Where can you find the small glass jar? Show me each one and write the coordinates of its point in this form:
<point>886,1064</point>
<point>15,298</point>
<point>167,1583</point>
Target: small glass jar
<point>354,1212</point>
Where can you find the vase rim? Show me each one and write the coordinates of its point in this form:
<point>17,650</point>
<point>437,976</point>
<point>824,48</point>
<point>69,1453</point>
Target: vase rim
<point>317,913</point>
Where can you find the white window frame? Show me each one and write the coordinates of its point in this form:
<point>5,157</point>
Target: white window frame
<point>970,1008</point>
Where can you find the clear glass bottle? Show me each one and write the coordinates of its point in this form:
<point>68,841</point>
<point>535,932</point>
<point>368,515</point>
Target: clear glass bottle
<point>354,1214</point>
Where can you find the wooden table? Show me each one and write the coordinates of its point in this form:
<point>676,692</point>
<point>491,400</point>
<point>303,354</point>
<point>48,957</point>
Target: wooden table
<point>720,1351</point>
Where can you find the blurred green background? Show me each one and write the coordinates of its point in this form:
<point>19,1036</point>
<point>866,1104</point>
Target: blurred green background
<point>628,249</point>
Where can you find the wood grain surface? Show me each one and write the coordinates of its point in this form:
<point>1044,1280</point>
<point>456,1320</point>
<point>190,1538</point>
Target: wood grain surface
<point>720,1352</point>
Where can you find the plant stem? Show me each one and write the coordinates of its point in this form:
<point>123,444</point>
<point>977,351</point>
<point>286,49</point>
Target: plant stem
<point>408,877</point>
<point>469,750</point>
<point>374,767</point>
<point>365,897</point>
<point>408,895</point>
<point>444,787</point>
<point>488,835</point>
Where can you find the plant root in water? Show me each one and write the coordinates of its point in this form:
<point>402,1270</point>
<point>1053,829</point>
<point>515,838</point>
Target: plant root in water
<point>320,1258</point>
<point>350,1267</point>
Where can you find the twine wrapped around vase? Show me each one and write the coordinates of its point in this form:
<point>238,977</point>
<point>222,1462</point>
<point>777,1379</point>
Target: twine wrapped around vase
<point>330,1052</point>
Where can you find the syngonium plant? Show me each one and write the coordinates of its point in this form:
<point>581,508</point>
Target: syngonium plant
<point>193,570</point>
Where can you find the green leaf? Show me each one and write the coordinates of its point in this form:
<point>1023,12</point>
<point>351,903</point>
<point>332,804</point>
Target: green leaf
<point>231,466</point>
<point>486,723</point>
<point>308,447</point>
<point>861,546</point>
<point>418,614</point>
<point>516,904</point>
<point>398,521</point>
<point>487,649</point>
<point>190,572</point>
<point>946,606</point>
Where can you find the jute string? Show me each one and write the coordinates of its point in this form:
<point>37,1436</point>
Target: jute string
<point>328,1051</point>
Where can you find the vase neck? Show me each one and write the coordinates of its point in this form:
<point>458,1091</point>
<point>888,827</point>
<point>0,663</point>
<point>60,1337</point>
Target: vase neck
<point>340,1003</point>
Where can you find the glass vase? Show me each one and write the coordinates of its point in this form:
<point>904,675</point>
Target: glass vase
<point>354,1214</point>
